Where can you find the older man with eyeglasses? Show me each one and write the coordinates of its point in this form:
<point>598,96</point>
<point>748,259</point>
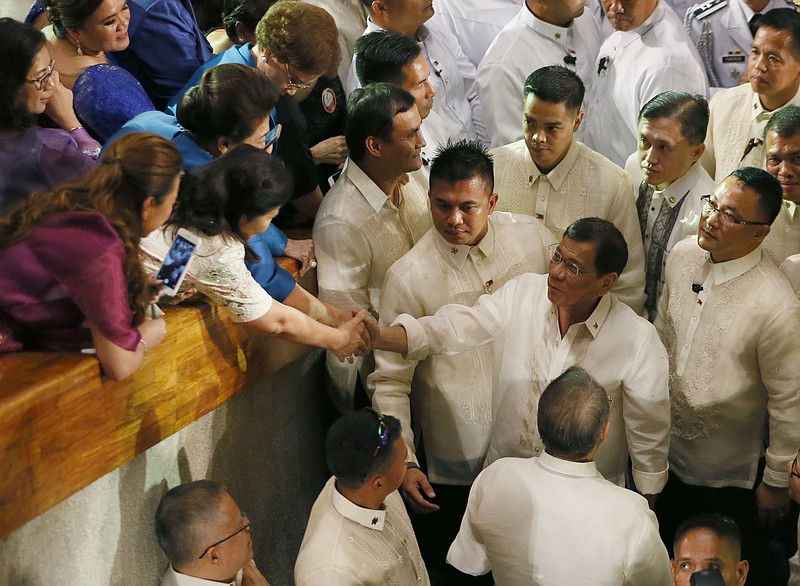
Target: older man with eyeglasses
<point>538,325</point>
<point>729,321</point>
<point>359,531</point>
<point>205,537</point>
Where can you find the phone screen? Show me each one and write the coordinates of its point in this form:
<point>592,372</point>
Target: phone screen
<point>176,262</point>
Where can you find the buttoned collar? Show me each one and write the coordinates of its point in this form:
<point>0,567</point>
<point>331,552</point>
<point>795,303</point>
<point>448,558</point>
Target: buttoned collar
<point>790,208</point>
<point>376,198</point>
<point>594,323</point>
<point>758,112</point>
<point>558,175</point>
<point>457,254</point>
<point>723,272</point>
<point>565,467</point>
<point>627,37</point>
<point>557,34</point>
<point>368,518</point>
<point>682,185</point>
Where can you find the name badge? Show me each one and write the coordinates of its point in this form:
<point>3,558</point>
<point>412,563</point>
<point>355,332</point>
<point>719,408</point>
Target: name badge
<point>733,58</point>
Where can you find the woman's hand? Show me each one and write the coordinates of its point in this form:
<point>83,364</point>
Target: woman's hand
<point>331,151</point>
<point>355,340</point>
<point>302,250</point>
<point>59,107</point>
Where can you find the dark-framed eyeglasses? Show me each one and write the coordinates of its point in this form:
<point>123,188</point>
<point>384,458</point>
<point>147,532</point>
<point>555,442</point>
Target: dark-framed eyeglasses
<point>41,82</point>
<point>794,471</point>
<point>293,85</point>
<point>557,258</point>
<point>710,208</point>
<point>231,536</point>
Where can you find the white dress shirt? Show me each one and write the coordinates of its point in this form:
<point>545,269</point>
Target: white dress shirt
<point>616,346</point>
<point>523,46</point>
<point>216,270</point>
<point>173,578</point>
<point>358,234</point>
<point>721,33</point>
<point>692,185</point>
<point>544,521</point>
<point>351,18</point>
<point>734,365</point>
<point>451,395</point>
<point>736,116</point>
<point>346,544</point>
<point>783,239</point>
<point>631,68</point>
<point>452,76</point>
<point>476,23</point>
<point>583,184</point>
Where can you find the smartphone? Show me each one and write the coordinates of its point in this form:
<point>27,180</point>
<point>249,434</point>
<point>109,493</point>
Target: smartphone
<point>175,265</point>
<point>710,577</point>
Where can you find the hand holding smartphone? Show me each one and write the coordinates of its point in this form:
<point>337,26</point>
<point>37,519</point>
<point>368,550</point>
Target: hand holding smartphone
<point>176,264</point>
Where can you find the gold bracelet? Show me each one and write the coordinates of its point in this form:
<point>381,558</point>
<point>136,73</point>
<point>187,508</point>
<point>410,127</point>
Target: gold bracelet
<point>75,128</point>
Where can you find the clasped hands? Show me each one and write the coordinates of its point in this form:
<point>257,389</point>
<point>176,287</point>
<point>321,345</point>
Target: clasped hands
<point>363,334</point>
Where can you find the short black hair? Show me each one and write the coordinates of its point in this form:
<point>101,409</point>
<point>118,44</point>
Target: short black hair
<point>351,444</point>
<point>381,56</point>
<point>611,250</point>
<point>770,193</point>
<point>689,110</point>
<point>461,160</point>
<point>183,518</point>
<point>783,19</point>
<point>370,112</point>
<point>785,122</point>
<point>556,84</point>
<point>247,12</point>
<point>573,410</point>
<point>723,527</point>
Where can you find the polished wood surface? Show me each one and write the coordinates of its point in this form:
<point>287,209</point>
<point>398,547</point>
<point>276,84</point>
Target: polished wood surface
<point>63,425</point>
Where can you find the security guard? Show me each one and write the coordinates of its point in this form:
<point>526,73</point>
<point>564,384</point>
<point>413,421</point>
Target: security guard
<point>721,31</point>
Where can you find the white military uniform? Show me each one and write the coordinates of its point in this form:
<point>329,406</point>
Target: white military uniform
<point>523,46</point>
<point>631,68</point>
<point>452,76</point>
<point>721,33</point>
<point>476,23</point>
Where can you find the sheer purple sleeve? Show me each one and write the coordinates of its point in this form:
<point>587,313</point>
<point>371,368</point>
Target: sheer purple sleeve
<point>61,159</point>
<point>85,255</point>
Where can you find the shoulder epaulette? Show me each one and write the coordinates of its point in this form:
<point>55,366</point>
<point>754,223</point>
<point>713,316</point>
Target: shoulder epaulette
<point>706,9</point>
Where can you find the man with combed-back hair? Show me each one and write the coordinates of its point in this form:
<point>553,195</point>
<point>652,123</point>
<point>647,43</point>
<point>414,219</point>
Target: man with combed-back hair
<point>372,216</point>
<point>471,250</point>
<point>205,537</point>
<point>397,59</point>
<point>671,130</point>
<point>540,324</point>
<point>359,531</point>
<point>554,519</point>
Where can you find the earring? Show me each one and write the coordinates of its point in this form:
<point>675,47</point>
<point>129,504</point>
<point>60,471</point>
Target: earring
<point>263,59</point>
<point>241,40</point>
<point>80,52</point>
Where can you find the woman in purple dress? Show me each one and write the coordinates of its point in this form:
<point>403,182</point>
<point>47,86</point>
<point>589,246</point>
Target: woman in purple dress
<point>34,158</point>
<point>70,273</point>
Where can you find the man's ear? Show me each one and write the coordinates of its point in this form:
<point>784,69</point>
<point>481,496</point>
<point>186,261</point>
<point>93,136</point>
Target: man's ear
<point>373,146</point>
<point>741,572</point>
<point>607,281</point>
<point>578,120</point>
<point>761,233</point>
<point>493,202</point>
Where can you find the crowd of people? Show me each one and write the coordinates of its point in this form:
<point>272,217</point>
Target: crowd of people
<point>557,247</point>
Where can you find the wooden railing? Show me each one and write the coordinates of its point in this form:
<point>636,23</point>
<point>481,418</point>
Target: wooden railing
<point>63,425</point>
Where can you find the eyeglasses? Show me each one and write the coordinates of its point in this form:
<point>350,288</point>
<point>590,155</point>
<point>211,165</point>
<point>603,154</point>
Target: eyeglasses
<point>293,85</point>
<point>709,209</point>
<point>794,472</point>
<point>231,536</point>
<point>41,82</point>
<point>571,267</point>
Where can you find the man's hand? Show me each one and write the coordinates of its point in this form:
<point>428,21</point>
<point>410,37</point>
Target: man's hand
<point>415,488</point>
<point>332,151</point>
<point>302,250</point>
<point>773,504</point>
<point>252,577</point>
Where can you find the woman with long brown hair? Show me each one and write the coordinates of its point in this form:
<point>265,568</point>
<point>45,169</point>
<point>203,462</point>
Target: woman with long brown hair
<point>70,273</point>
